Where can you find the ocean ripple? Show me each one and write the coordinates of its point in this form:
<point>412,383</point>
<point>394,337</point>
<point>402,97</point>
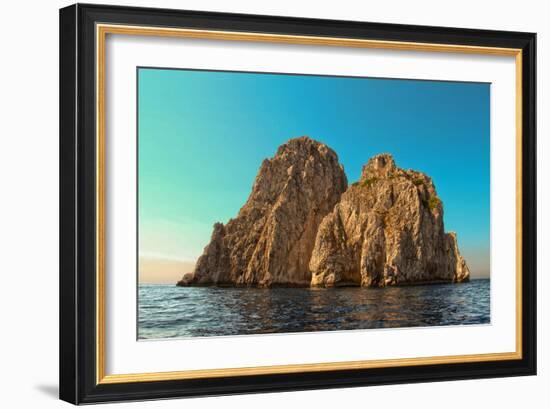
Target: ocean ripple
<point>167,311</point>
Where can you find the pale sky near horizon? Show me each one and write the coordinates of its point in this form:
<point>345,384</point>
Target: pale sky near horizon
<point>203,135</point>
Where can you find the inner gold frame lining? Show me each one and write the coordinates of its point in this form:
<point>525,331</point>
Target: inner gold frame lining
<point>101,33</point>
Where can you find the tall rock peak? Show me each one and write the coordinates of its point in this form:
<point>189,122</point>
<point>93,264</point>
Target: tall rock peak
<point>381,165</point>
<point>387,229</point>
<point>270,241</point>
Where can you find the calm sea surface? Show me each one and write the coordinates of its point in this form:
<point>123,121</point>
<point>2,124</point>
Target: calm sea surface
<point>167,311</point>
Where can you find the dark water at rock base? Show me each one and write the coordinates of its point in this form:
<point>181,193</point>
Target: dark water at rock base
<point>167,311</point>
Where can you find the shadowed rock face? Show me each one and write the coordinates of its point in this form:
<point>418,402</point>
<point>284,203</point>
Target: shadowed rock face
<point>270,241</point>
<point>387,229</point>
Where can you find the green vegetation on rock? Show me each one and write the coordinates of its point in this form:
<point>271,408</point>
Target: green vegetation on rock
<point>433,202</point>
<point>368,182</point>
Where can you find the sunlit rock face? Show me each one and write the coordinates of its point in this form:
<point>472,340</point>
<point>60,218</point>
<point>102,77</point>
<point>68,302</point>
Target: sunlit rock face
<point>303,226</point>
<point>270,241</point>
<point>387,229</point>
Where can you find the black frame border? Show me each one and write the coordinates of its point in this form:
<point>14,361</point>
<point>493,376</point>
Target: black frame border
<point>77,255</point>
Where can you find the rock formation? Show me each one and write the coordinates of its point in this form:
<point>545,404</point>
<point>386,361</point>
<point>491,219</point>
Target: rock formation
<point>301,227</point>
<point>270,241</point>
<point>387,229</point>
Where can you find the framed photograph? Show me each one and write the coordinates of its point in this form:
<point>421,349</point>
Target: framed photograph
<point>257,203</point>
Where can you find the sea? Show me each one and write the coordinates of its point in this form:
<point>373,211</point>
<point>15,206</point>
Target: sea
<point>167,311</point>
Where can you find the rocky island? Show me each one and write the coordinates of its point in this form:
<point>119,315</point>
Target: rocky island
<point>302,225</point>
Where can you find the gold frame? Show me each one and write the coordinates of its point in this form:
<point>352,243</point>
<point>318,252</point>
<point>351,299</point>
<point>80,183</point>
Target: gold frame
<point>102,30</point>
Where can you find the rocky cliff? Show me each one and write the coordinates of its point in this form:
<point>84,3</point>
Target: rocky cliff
<point>270,241</point>
<point>303,226</point>
<point>387,229</point>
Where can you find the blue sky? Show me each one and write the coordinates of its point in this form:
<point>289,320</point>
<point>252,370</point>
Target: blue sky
<point>204,134</point>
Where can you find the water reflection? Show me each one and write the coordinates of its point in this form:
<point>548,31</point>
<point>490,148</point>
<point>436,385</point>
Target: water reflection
<point>169,311</point>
